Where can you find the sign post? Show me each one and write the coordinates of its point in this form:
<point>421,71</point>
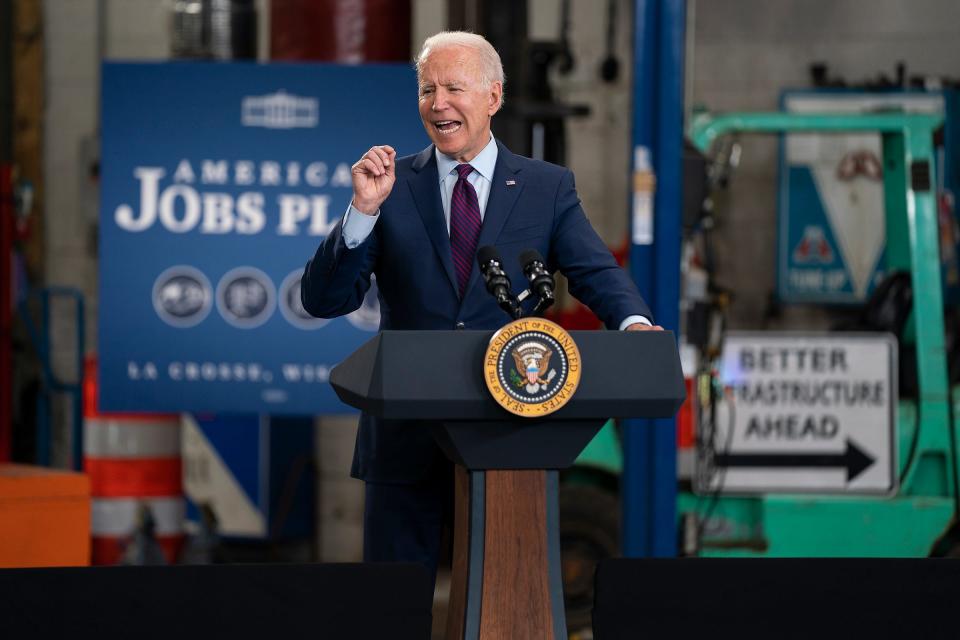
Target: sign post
<point>803,414</point>
<point>832,237</point>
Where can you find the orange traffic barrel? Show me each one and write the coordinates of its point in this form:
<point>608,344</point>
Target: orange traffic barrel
<point>134,464</point>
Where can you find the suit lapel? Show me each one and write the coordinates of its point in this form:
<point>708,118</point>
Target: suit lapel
<point>499,204</point>
<point>425,187</point>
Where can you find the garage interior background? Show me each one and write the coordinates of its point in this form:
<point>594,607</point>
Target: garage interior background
<point>740,55</point>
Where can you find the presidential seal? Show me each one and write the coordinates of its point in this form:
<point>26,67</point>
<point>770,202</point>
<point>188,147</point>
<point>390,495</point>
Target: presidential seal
<point>532,367</point>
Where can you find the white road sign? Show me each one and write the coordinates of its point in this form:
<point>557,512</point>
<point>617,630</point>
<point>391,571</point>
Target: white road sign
<point>803,413</point>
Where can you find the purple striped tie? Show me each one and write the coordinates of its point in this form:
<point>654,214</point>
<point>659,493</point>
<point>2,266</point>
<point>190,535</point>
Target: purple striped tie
<point>464,226</point>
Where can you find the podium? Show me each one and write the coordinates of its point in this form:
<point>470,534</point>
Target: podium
<point>506,579</point>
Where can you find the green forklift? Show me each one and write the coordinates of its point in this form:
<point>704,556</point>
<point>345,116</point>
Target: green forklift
<point>920,519</point>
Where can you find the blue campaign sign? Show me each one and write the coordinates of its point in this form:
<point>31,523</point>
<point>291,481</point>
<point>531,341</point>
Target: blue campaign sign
<point>218,183</point>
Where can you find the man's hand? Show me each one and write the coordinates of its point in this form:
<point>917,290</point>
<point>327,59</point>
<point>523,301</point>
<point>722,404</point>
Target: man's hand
<point>373,178</point>
<point>639,326</point>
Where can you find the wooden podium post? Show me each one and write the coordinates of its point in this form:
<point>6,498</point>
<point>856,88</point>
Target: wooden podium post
<point>512,544</point>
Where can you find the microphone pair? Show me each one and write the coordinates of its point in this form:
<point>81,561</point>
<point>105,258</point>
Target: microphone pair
<point>498,282</point>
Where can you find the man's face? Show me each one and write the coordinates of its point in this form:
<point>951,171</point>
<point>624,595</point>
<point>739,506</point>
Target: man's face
<point>455,104</point>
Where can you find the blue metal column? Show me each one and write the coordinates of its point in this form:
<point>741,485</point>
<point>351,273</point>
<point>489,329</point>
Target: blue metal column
<point>649,483</point>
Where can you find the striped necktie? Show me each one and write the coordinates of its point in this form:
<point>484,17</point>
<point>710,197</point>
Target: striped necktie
<point>464,226</point>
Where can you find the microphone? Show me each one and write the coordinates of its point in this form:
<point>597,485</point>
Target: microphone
<point>496,280</point>
<point>541,282</point>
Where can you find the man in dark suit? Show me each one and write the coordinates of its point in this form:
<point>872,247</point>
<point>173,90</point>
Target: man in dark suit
<point>415,223</point>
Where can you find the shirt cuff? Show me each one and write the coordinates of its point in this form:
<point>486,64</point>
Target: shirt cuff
<point>634,320</point>
<point>357,226</point>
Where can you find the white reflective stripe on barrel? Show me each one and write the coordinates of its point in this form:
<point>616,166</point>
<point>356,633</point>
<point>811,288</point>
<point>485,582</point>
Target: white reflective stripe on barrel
<point>118,438</point>
<point>118,516</point>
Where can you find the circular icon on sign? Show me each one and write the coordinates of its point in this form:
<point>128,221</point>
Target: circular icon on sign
<point>246,297</point>
<point>292,308</point>
<point>367,317</point>
<point>532,367</point>
<point>182,296</point>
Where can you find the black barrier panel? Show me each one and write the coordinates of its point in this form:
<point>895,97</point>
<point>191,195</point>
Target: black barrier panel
<point>823,599</point>
<point>220,601</point>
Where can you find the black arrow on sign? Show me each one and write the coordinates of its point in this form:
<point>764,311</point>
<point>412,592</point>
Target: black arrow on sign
<point>854,459</point>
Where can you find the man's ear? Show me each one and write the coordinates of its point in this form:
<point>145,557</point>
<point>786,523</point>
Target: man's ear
<point>496,97</point>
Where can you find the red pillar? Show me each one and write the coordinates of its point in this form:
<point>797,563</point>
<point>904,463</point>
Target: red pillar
<point>347,31</point>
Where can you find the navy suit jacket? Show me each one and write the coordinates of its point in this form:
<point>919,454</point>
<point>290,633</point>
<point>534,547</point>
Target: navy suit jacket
<point>532,205</point>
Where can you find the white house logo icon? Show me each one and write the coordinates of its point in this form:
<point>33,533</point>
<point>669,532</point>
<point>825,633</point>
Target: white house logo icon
<point>280,110</point>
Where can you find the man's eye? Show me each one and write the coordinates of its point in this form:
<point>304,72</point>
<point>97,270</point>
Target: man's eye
<point>425,91</point>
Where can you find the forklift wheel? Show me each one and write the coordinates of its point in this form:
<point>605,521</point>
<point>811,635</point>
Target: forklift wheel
<point>948,544</point>
<point>589,532</point>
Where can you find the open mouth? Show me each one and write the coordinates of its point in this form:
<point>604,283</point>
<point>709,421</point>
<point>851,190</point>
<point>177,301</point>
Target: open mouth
<point>447,127</point>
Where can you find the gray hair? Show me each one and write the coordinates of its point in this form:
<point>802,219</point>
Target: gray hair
<point>491,68</point>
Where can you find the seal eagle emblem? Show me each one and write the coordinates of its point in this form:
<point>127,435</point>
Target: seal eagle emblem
<point>533,360</point>
<point>532,367</point>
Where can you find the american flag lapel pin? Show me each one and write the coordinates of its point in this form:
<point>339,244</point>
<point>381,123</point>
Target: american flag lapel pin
<point>510,183</point>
